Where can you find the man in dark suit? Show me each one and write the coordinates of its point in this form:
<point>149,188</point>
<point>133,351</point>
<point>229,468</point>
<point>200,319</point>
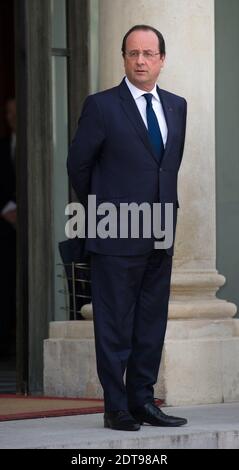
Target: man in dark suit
<point>128,148</point>
<point>8,233</point>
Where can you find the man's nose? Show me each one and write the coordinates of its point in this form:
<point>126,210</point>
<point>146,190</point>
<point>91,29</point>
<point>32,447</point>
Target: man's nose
<point>140,58</point>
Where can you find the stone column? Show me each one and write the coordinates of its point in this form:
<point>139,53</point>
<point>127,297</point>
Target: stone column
<point>199,363</point>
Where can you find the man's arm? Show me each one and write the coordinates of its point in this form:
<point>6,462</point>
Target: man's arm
<point>184,122</point>
<point>85,148</point>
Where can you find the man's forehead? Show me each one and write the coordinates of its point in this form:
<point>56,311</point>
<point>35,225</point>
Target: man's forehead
<point>145,39</point>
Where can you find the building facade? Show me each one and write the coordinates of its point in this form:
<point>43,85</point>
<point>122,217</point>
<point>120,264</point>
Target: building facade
<point>65,50</point>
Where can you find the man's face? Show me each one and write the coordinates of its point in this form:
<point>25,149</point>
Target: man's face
<point>11,114</point>
<point>140,70</point>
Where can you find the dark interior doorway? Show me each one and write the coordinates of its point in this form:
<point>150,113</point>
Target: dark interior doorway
<point>7,200</point>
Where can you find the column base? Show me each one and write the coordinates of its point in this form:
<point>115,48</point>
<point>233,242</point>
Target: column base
<point>193,295</point>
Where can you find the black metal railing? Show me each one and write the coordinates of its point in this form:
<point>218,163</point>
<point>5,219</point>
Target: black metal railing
<point>76,287</point>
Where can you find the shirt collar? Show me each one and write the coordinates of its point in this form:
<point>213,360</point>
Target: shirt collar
<point>137,93</point>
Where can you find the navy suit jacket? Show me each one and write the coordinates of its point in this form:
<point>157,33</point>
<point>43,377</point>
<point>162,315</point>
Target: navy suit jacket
<point>111,157</point>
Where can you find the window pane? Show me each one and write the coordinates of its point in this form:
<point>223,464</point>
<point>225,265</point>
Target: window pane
<point>58,15</point>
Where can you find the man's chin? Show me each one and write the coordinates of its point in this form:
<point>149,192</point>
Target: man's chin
<point>141,74</point>
<point>140,78</point>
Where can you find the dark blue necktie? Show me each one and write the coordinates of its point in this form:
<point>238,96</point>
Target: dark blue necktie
<point>155,135</point>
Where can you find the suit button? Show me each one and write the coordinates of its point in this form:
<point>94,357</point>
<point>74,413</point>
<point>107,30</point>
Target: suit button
<point>160,169</point>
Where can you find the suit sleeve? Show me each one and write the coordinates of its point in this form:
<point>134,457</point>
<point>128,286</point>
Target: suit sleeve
<point>85,148</point>
<point>184,122</point>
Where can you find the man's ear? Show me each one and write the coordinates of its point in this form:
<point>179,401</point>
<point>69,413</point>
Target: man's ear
<point>162,58</point>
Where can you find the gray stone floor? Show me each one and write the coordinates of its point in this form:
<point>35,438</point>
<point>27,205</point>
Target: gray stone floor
<point>209,426</point>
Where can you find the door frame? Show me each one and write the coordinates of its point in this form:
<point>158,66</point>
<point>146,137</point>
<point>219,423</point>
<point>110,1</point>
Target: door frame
<point>34,189</point>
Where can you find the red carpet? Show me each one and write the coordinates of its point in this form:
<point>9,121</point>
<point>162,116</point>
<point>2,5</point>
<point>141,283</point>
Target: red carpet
<point>14,407</point>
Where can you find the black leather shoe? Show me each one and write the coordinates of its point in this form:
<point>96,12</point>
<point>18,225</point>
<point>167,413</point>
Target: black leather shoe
<point>151,414</point>
<point>120,420</point>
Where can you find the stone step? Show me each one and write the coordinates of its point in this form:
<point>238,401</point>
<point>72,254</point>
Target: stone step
<point>209,427</point>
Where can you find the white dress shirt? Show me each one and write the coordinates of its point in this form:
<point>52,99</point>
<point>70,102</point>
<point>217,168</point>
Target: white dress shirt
<point>156,103</point>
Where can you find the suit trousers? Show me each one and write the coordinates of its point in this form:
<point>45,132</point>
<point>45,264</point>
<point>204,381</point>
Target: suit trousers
<point>130,297</point>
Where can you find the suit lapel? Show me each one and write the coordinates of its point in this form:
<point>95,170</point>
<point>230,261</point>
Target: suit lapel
<point>131,110</point>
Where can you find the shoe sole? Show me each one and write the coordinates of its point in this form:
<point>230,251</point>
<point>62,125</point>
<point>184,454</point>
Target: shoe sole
<point>118,428</point>
<point>162,425</point>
